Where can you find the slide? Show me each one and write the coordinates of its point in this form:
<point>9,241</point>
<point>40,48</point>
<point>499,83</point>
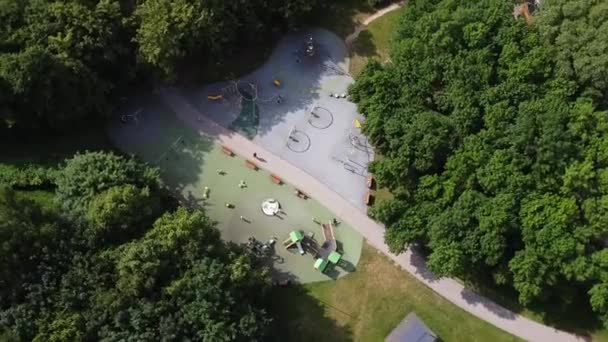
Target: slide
<point>328,233</point>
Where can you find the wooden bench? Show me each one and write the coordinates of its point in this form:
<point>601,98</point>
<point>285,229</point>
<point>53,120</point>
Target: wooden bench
<point>369,198</point>
<point>276,179</point>
<point>301,194</point>
<point>251,165</point>
<point>370,181</point>
<point>227,151</point>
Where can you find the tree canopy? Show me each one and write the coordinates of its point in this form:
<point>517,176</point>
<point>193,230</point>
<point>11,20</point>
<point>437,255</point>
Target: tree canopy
<point>113,262</point>
<point>493,137</point>
<point>578,33</point>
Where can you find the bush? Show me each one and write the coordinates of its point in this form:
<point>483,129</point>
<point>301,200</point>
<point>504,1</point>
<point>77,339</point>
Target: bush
<point>88,174</point>
<point>27,177</point>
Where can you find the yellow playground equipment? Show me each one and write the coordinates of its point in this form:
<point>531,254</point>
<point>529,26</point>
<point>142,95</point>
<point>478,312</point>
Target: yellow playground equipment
<point>277,83</point>
<point>215,97</point>
<point>357,123</point>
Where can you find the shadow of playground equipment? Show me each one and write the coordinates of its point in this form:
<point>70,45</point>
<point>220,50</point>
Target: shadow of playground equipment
<point>301,317</point>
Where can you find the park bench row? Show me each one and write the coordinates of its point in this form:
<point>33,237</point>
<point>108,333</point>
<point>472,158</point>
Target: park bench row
<point>368,198</point>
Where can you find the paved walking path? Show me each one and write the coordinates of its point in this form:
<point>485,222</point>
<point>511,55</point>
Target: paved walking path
<point>372,231</point>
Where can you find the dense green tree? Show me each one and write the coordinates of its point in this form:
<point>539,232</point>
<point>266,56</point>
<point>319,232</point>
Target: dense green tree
<point>121,272</point>
<point>67,327</point>
<point>120,212</point>
<point>143,263</point>
<point>89,174</point>
<point>168,29</point>
<point>578,33</point>
<point>60,59</point>
<point>30,242</point>
<point>493,141</point>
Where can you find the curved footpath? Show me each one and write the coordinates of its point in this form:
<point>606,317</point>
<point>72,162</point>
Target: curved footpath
<point>373,232</point>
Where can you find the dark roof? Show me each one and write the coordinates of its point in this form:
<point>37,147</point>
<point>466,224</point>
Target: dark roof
<point>411,329</point>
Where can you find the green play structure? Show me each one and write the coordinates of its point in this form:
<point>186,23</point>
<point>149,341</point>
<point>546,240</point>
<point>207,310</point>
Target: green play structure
<point>295,239</point>
<point>334,257</point>
<point>321,264</point>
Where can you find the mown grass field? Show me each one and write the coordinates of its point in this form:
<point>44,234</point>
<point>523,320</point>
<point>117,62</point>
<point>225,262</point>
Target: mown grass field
<point>366,305</point>
<point>374,41</point>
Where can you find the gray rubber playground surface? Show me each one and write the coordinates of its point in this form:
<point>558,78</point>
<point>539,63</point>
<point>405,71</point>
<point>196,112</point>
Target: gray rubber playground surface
<point>327,144</point>
<point>189,162</point>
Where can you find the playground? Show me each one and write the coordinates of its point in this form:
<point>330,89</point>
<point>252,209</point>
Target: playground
<point>296,106</point>
<point>281,226</point>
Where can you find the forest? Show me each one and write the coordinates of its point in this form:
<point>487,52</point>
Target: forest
<point>493,136</point>
<point>116,259</point>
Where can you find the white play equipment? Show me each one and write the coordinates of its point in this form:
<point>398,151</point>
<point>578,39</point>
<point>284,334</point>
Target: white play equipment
<point>271,207</point>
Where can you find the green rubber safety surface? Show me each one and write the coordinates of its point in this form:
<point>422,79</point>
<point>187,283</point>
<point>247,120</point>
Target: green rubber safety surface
<point>195,167</point>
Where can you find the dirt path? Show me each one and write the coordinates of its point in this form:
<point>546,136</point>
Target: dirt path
<point>373,232</point>
<point>353,36</point>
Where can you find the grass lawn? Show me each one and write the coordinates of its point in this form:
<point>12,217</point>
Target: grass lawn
<point>342,16</point>
<point>367,304</point>
<point>374,42</point>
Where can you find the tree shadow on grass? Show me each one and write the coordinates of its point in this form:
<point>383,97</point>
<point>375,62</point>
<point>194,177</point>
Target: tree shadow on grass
<point>298,316</point>
<point>574,316</point>
<point>364,45</point>
<point>337,16</point>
